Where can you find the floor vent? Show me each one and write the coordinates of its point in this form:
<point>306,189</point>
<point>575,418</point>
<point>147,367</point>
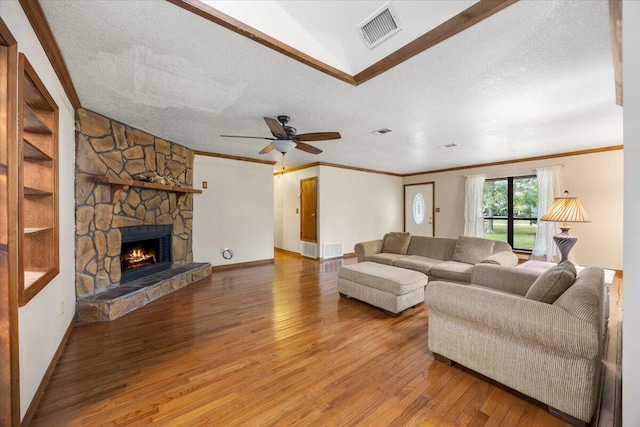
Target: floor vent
<point>309,249</point>
<point>379,26</point>
<point>332,250</point>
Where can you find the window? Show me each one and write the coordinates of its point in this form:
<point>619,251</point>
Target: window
<point>418,209</point>
<point>511,210</point>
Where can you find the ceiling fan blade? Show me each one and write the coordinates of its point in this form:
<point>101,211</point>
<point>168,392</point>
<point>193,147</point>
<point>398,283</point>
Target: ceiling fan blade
<point>266,149</point>
<point>276,128</point>
<point>317,136</point>
<point>252,137</point>
<point>308,148</point>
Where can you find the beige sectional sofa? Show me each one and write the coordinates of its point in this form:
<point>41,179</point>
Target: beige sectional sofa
<point>509,327</point>
<point>439,258</point>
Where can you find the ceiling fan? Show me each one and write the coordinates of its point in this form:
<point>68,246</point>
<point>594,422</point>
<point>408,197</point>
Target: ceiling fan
<point>286,137</point>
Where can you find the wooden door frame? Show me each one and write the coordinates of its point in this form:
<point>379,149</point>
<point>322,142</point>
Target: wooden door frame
<point>9,357</point>
<point>313,178</point>
<point>433,204</point>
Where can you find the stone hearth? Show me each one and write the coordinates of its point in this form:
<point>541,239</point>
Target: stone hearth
<point>119,301</point>
<point>106,148</point>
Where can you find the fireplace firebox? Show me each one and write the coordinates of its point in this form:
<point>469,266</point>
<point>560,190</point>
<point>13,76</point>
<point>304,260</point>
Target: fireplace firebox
<point>145,250</point>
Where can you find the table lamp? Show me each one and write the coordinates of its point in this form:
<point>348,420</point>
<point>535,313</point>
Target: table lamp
<point>565,209</point>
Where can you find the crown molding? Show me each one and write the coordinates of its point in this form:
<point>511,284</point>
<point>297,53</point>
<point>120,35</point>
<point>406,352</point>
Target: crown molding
<point>525,159</point>
<point>214,15</point>
<point>460,22</point>
<point>36,17</point>
<point>335,165</point>
<point>239,158</point>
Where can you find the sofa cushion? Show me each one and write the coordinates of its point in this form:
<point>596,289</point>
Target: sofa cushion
<point>552,283</point>
<point>506,258</point>
<point>388,259</point>
<point>396,243</point>
<point>499,246</point>
<point>452,271</point>
<point>516,281</point>
<point>417,263</point>
<point>584,298</point>
<point>441,248</point>
<point>490,260</point>
<point>486,288</point>
<point>472,250</point>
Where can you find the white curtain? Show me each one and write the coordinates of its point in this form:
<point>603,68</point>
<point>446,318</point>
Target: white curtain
<point>473,199</point>
<point>549,186</point>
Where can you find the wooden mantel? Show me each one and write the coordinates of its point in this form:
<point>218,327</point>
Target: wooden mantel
<point>112,180</point>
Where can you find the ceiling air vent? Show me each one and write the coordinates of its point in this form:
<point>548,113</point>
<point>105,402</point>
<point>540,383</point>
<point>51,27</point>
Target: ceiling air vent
<point>452,145</point>
<point>379,26</point>
<point>382,131</point>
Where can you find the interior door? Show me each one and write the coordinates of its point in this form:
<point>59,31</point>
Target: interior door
<point>309,210</point>
<point>418,209</point>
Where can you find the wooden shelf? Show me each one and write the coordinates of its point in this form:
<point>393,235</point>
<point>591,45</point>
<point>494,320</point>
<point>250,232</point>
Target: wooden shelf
<point>112,180</point>
<point>28,191</point>
<point>31,277</point>
<point>34,230</point>
<point>34,280</point>
<point>33,97</point>
<point>33,123</point>
<point>30,151</point>
<point>38,232</point>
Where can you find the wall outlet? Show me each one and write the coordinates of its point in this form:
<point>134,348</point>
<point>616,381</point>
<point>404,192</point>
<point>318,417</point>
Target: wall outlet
<point>61,308</point>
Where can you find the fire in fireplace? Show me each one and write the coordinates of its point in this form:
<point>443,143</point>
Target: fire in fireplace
<point>145,250</point>
<point>138,254</point>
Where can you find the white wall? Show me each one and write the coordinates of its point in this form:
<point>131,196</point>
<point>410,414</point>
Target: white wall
<point>631,300</point>
<point>41,323</point>
<point>235,211</point>
<point>353,206</point>
<point>358,206</point>
<point>596,179</point>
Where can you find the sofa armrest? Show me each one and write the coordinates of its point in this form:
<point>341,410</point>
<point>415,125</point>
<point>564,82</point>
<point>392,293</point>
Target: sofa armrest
<point>508,279</point>
<point>364,249</point>
<point>506,258</point>
<point>545,324</point>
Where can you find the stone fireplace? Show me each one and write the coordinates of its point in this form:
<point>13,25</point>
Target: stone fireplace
<point>144,250</point>
<point>113,210</point>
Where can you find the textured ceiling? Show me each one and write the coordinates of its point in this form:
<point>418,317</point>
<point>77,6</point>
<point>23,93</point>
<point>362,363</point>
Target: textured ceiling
<point>328,31</point>
<point>534,79</point>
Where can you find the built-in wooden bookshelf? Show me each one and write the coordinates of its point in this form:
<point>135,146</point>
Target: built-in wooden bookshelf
<point>38,184</point>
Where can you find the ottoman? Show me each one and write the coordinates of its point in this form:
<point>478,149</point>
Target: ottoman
<point>390,288</point>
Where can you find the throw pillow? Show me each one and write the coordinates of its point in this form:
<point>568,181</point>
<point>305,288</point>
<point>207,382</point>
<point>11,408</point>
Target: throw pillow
<point>552,283</point>
<point>472,250</point>
<point>396,243</point>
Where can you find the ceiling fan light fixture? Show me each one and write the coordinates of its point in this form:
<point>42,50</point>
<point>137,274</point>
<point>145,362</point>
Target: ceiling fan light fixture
<point>283,145</point>
<point>286,138</point>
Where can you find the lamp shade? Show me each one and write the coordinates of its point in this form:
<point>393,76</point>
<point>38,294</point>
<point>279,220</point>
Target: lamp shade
<point>566,209</point>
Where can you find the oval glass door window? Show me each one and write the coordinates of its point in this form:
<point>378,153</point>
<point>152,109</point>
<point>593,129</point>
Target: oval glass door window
<point>418,209</point>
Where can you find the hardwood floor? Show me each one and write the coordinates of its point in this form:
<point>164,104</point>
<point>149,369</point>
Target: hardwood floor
<point>269,345</point>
